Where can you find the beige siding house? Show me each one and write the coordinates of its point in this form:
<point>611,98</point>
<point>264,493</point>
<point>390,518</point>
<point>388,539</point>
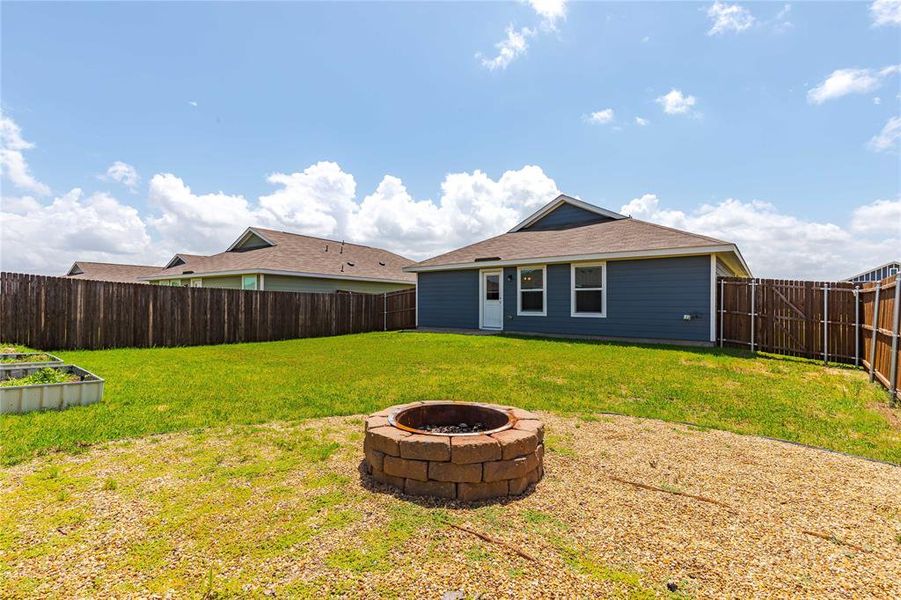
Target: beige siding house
<point>265,259</point>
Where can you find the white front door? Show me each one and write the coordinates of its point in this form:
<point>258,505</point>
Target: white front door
<point>492,300</point>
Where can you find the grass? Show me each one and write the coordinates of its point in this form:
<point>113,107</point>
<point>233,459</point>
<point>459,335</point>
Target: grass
<point>280,509</point>
<point>230,512</point>
<point>159,390</point>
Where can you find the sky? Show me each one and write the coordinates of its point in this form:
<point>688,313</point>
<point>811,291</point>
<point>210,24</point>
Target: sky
<point>132,131</point>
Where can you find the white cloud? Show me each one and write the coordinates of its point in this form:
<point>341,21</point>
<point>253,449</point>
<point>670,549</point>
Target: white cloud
<point>197,223</point>
<point>472,207</point>
<point>728,17</point>
<point>320,200</point>
<point>887,139</point>
<point>13,165</point>
<point>886,12</point>
<point>193,103</point>
<point>124,173</point>
<point>776,244</point>
<point>98,227</point>
<point>881,216</point>
<point>601,117</point>
<point>550,11</point>
<point>642,122</point>
<point>675,102</point>
<point>781,24</point>
<point>509,49</point>
<point>317,201</point>
<point>842,82</point>
<point>390,218</point>
<point>516,42</point>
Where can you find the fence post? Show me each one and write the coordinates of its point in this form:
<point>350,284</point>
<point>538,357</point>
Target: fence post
<point>826,323</point>
<point>856,326</point>
<point>385,314</point>
<point>893,369</point>
<point>873,338</point>
<point>753,310</point>
<point>722,288</point>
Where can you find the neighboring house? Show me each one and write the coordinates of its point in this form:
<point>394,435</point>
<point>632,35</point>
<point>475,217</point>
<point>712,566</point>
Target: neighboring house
<point>264,259</point>
<point>877,274</point>
<point>98,271</point>
<point>576,269</point>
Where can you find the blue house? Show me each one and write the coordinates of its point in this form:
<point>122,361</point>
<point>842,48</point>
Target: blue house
<point>877,273</point>
<point>574,269</point>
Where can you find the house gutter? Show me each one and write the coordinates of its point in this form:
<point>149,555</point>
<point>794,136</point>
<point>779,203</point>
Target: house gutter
<point>201,274</point>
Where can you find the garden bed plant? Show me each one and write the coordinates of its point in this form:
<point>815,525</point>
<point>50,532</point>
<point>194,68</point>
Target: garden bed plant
<point>42,377</point>
<point>27,357</point>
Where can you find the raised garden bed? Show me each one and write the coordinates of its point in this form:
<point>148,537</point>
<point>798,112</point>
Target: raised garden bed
<point>36,387</point>
<point>17,360</point>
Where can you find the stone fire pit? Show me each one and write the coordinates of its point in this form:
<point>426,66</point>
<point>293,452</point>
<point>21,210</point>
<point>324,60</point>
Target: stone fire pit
<point>458,450</point>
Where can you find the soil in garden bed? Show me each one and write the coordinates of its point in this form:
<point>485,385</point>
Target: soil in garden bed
<point>26,358</point>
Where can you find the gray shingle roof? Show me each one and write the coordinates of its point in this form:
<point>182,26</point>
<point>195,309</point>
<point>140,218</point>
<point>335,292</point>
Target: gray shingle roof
<point>297,253</point>
<point>98,271</point>
<point>622,235</point>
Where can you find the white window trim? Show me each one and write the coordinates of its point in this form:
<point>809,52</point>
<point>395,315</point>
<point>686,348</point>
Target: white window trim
<point>519,290</point>
<point>603,289</point>
<point>256,285</point>
<point>196,282</point>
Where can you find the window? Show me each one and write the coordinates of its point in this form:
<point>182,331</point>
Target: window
<point>492,287</point>
<point>249,282</point>
<point>530,291</point>
<point>197,283</point>
<point>589,289</point>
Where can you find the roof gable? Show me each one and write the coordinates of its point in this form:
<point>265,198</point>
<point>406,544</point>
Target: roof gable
<point>565,211</point>
<point>176,260</point>
<point>564,216</point>
<point>251,239</point>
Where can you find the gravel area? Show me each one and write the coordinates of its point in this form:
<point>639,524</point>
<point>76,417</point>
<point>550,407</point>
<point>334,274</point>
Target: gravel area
<point>628,507</point>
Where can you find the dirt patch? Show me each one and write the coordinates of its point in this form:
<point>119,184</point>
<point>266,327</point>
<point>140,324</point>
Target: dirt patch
<point>627,507</point>
<point>892,415</point>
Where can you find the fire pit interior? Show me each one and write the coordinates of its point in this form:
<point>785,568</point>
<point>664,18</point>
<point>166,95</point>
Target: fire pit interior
<point>452,419</point>
<point>459,450</point>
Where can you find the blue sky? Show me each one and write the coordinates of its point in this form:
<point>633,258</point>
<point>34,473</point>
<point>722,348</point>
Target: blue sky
<point>394,124</point>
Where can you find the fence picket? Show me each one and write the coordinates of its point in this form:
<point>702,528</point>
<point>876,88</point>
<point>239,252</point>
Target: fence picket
<point>832,321</point>
<point>63,314</point>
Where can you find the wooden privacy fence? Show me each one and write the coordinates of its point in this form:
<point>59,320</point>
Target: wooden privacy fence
<point>61,313</point>
<point>833,321</point>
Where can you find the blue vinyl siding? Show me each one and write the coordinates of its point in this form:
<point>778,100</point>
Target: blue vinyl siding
<point>645,299</point>
<point>877,274</point>
<point>566,215</point>
<point>449,299</point>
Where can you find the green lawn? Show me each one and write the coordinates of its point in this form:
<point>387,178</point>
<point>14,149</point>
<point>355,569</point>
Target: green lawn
<point>169,389</point>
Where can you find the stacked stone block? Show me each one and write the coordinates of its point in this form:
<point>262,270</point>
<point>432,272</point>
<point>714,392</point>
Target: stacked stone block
<point>460,467</point>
